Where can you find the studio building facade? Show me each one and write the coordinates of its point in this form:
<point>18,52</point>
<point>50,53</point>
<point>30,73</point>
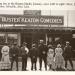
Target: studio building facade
<point>32,26</point>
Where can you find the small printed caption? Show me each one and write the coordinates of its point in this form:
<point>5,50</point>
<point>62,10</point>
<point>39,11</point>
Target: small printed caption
<point>33,4</point>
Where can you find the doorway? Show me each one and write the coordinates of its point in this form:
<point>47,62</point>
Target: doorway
<point>26,37</point>
<point>73,41</point>
<point>31,38</point>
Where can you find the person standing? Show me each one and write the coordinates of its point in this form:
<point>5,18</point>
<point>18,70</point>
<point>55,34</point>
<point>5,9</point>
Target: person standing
<point>43,49</point>
<point>24,52</point>
<point>68,54</point>
<point>14,51</point>
<point>5,61</point>
<point>59,58</point>
<point>50,57</point>
<point>33,55</point>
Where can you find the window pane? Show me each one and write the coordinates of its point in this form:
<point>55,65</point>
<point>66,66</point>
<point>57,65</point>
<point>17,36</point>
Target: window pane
<point>2,39</point>
<point>12,38</point>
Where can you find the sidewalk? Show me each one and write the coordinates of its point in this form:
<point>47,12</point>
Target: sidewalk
<point>29,65</point>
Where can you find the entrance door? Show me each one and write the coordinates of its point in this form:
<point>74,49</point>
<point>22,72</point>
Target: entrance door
<point>30,38</point>
<point>73,41</point>
<point>26,37</point>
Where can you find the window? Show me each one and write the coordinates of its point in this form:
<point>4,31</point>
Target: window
<point>12,38</point>
<point>2,38</point>
<point>73,35</point>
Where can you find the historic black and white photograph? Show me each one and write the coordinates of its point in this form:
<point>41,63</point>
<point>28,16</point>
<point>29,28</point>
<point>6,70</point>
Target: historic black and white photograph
<point>37,40</point>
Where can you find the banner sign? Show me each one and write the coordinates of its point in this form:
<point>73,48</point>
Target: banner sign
<point>22,19</point>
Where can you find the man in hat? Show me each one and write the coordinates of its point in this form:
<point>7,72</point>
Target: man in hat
<point>43,49</point>
<point>24,52</point>
<point>33,55</point>
<point>68,54</point>
<point>14,54</point>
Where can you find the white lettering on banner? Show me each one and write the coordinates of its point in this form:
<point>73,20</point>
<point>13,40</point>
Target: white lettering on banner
<point>34,20</point>
<point>42,20</point>
<point>4,19</point>
<point>10,19</point>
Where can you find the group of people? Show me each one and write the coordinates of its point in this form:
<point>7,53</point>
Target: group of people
<point>45,53</point>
